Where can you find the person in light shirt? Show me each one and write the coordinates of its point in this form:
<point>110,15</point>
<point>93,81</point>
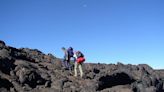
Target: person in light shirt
<point>78,63</point>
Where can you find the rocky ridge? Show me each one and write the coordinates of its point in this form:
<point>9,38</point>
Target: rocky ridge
<point>30,70</point>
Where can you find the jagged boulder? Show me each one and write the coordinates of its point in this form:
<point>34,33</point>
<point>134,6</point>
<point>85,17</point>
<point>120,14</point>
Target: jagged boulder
<point>4,53</point>
<point>29,74</point>
<point>2,44</point>
<point>119,88</point>
<point>7,65</point>
<point>115,79</point>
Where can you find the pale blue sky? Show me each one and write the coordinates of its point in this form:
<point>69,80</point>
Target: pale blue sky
<point>106,31</point>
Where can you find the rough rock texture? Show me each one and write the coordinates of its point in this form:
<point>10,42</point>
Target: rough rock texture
<point>30,70</point>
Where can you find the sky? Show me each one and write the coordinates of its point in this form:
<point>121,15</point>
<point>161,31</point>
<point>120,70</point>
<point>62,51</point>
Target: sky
<point>106,31</point>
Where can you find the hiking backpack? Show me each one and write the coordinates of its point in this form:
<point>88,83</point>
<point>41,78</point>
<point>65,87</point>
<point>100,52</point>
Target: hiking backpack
<point>79,54</point>
<point>80,60</point>
<point>70,52</point>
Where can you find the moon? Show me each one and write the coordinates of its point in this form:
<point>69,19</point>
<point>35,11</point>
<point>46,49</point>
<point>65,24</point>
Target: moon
<point>84,5</point>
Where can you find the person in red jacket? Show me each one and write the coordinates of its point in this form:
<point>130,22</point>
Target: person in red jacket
<point>78,64</point>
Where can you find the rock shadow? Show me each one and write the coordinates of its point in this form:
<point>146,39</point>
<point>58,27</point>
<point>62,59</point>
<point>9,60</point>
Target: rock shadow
<point>109,81</point>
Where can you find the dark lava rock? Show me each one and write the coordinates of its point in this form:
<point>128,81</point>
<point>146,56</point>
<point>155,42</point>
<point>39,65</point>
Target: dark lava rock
<point>30,70</point>
<point>2,44</point>
<point>7,65</point>
<point>109,81</point>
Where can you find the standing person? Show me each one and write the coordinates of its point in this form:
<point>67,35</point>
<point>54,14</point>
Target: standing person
<point>79,61</point>
<point>68,53</point>
<point>65,59</point>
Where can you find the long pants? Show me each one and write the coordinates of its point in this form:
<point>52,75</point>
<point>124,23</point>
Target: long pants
<point>67,63</point>
<point>80,69</point>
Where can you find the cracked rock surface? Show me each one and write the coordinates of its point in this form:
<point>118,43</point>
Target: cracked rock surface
<point>30,70</point>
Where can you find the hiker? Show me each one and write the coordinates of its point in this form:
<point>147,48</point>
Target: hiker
<point>67,56</point>
<point>70,55</point>
<point>65,59</point>
<point>78,64</point>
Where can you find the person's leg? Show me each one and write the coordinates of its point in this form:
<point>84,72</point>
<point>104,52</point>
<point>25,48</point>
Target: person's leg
<point>69,63</point>
<point>81,70</point>
<point>74,59</point>
<point>72,63</point>
<point>64,62</point>
<point>75,68</point>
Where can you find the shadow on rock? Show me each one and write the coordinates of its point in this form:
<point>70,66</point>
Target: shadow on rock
<point>7,65</point>
<point>5,84</point>
<point>109,81</point>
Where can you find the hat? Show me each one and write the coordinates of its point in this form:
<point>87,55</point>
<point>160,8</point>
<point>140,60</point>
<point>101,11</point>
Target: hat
<point>70,48</point>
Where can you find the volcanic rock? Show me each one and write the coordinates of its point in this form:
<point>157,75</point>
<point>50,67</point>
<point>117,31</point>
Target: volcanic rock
<point>30,70</point>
